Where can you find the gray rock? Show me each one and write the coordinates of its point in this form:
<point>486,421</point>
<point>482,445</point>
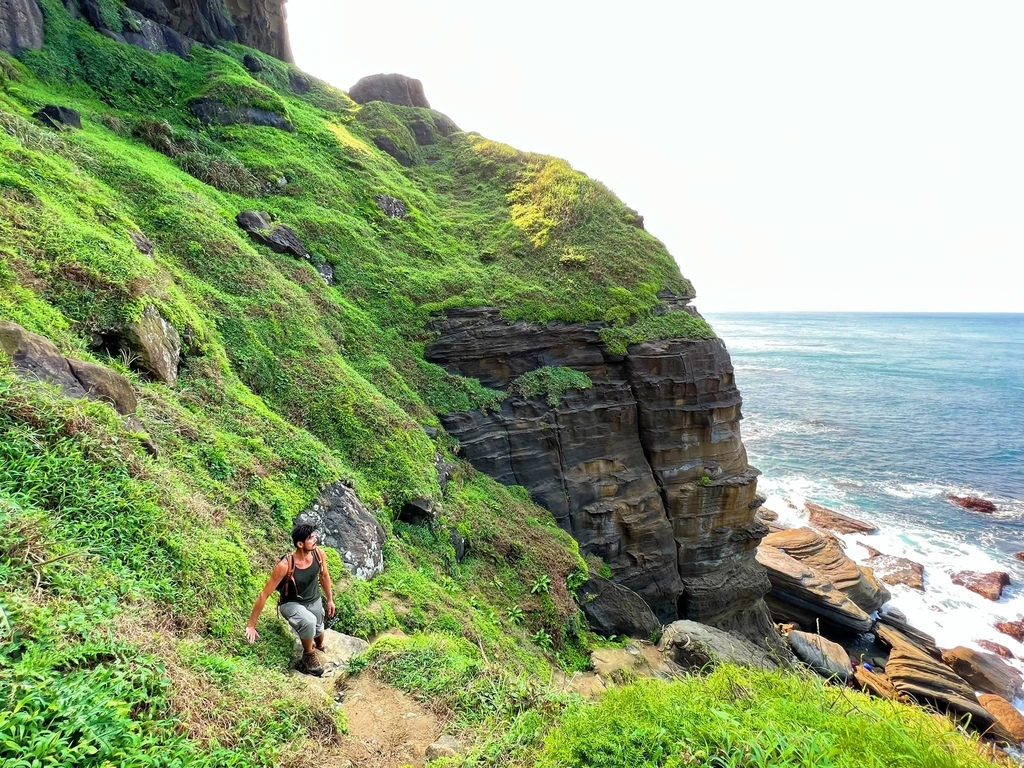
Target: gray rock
<point>342,522</point>
<point>155,37</point>
<point>459,544</point>
<point>141,243</point>
<point>298,83</point>
<point>445,470</point>
<point>21,26</point>
<point>279,238</point>
<point>423,133</point>
<point>326,271</point>
<point>252,63</point>
<point>155,344</point>
<point>387,144</point>
<point>418,511</point>
<point>212,112</point>
<point>58,117</point>
<point>612,609</point>
<point>393,207</point>
<point>446,746</point>
<point>692,645</point>
<point>826,658</point>
<point>393,89</point>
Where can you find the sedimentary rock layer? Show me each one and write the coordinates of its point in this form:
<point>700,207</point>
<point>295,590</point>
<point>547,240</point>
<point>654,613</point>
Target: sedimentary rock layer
<point>645,468</point>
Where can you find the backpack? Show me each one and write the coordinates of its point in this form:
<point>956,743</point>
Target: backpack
<point>287,587</point>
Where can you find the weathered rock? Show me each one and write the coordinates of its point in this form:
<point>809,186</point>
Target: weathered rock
<point>141,243</point>
<point>875,683</point>
<point>393,207</point>
<point>1006,715</point>
<point>38,358</point>
<point>446,746</point>
<point>418,511</point>
<point>827,519</point>
<point>767,515</point>
<point>985,671</point>
<point>898,634</point>
<point>279,238</point>
<point>459,544</point>
<point>996,648</point>
<point>393,89</point>
<point>988,585</point>
<point>799,593</point>
<point>423,133</point>
<point>213,112</point>
<point>827,558</point>
<point>694,646</point>
<point>620,464</point>
<point>21,26</point>
<point>298,83</point>
<point>972,503</point>
<point>326,271</point>
<point>445,470</point>
<point>344,523</point>
<point>895,570</point>
<point>58,117</point>
<point>155,37</point>
<point>387,144</point>
<point>1014,629</point>
<point>826,658</point>
<point>338,650</point>
<point>252,63</point>
<point>155,345</point>
<point>612,609</point>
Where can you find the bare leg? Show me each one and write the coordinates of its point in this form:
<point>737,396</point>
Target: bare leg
<point>307,645</point>
<point>318,641</point>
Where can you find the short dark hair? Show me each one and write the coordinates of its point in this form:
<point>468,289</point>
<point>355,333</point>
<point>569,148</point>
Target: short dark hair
<point>301,532</point>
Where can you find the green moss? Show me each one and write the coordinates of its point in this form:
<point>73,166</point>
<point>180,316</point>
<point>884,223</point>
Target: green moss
<point>671,325</point>
<point>550,381</point>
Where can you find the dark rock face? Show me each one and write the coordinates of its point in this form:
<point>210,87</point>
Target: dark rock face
<point>612,609</point>
<point>21,26</point>
<point>344,523</point>
<point>387,144</point>
<point>393,88</point>
<point>256,23</point>
<point>279,238</point>
<point>298,83</point>
<point>213,112</point>
<point>973,503</point>
<point>645,468</point>
<point>252,63</point>
<point>58,117</point>
<point>155,344</point>
<point>393,207</point>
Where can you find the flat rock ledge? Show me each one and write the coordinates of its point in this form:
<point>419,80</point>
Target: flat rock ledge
<point>692,645</point>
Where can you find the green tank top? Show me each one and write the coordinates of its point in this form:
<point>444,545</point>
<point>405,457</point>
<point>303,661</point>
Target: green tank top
<point>306,583</point>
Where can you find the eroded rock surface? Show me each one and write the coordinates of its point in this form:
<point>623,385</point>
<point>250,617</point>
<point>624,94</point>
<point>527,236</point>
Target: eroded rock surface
<point>827,519</point>
<point>155,345</point>
<point>21,26</point>
<point>279,238</point>
<point>344,523</point>
<point>1006,715</point>
<point>393,89</point>
<point>895,570</point>
<point>645,468</point>
<point>985,671</point>
<point>988,585</point>
<point>692,645</point>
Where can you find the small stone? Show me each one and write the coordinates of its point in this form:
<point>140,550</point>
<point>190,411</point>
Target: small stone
<point>1019,555</point>
<point>996,648</point>
<point>141,243</point>
<point>1014,629</point>
<point>393,207</point>
<point>58,117</point>
<point>446,746</point>
<point>988,585</point>
<point>973,503</point>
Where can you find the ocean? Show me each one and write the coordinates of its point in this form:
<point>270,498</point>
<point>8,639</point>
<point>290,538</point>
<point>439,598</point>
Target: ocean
<point>882,416</point>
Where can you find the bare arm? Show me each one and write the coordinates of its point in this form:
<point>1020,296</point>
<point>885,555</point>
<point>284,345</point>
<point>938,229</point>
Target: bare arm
<point>325,582</point>
<point>279,572</point>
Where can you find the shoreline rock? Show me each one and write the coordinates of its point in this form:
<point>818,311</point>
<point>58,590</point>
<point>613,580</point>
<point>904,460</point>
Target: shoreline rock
<point>972,503</point>
<point>895,570</point>
<point>985,671</point>
<point>822,517</point>
<point>988,585</point>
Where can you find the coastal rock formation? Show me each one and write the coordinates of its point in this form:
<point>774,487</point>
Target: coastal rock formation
<point>695,646</point>
<point>1014,629</point>
<point>1005,714</point>
<point>985,671</point>
<point>826,519</point>
<point>645,468</point>
<point>973,503</point>
<point>895,570</point>
<point>988,585</point>
<point>173,23</point>
<point>21,26</point>
<point>344,523</point>
<point>996,648</point>
<point>828,659</point>
<point>393,89</point>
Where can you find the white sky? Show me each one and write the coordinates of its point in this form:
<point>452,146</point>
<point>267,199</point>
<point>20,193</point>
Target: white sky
<point>791,155</point>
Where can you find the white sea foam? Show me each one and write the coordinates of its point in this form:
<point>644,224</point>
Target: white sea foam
<point>764,368</point>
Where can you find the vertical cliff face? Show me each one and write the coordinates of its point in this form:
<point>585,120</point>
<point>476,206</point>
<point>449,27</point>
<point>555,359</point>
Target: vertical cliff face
<point>645,468</point>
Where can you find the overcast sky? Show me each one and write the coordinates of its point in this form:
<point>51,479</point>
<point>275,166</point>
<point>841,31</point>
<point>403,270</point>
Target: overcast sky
<point>791,155</point>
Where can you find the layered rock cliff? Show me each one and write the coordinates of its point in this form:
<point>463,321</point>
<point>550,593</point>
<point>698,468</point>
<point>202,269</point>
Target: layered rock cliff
<point>645,468</point>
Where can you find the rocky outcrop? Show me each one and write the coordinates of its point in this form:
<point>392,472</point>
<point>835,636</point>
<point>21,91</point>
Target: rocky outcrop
<point>342,522</point>
<point>988,585</point>
<point>895,570</point>
<point>393,88</point>
<point>612,609</point>
<point>1006,715</point>
<point>985,671</point>
<point>172,25</point>
<point>214,112</point>
<point>154,344</point>
<point>645,468</point>
<point>696,646</point>
<point>279,238</point>
<point>973,503</point>
<point>58,118</point>
<point>826,658</point>
<point>826,519</point>
<point>21,26</point>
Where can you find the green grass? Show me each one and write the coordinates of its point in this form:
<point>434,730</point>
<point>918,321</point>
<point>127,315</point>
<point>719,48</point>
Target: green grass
<point>550,381</point>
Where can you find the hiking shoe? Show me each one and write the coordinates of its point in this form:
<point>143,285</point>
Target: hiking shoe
<point>309,664</point>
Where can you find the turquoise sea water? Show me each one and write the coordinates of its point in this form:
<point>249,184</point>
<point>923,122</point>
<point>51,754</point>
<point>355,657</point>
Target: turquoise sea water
<point>883,416</point>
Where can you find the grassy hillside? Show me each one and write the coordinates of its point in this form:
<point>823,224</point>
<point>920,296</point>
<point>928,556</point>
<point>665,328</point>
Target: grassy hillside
<point>126,580</point>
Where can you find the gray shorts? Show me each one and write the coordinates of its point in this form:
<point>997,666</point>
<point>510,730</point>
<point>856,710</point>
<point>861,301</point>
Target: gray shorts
<point>307,619</point>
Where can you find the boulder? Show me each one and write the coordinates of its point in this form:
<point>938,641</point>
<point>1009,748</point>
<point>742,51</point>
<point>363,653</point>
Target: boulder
<point>252,62</point>
<point>459,544</point>
<point>613,609</point>
<point>826,658</point>
<point>1014,629</point>
<point>209,111</point>
<point>800,593</point>
<point>141,243</point>
<point>826,519</point>
<point>326,272</point>
<point>988,585</point>
<point>338,650</point>
<point>985,671</point>
<point>972,503</point>
<point>996,648</point>
<point>423,133</point>
<point>150,35</point>
<point>36,357</point>
<point>692,645</point>
<point>342,522</point>
<point>445,470</point>
<point>298,83</point>
<point>899,634</point>
<point>387,144</point>
<point>445,746</point>
<point>1006,715</point>
<point>419,511</point>
<point>895,570</point>
<point>279,238</point>
<point>827,558</point>
<point>58,118</point>
<point>21,26</point>
<point>155,344</point>
<point>393,207</point>
<point>876,683</point>
<point>393,89</point>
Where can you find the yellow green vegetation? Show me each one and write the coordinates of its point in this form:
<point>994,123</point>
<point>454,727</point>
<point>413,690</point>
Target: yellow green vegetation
<point>126,580</point>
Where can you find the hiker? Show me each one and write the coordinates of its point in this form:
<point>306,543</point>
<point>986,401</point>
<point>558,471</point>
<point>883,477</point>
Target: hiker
<point>295,578</point>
